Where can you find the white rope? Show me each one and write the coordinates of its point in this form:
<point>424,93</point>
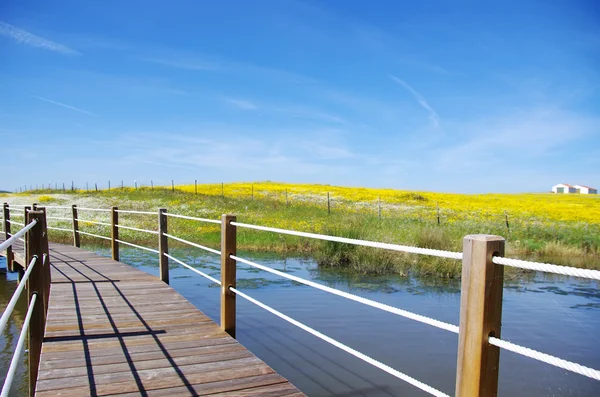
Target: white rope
<point>18,350</point>
<point>193,244</point>
<point>14,237</point>
<point>548,267</point>
<point>347,349</point>
<point>546,358</point>
<point>93,209</point>
<point>60,228</point>
<point>17,205</point>
<point>365,243</point>
<point>137,246</point>
<point>15,223</point>
<point>15,297</point>
<point>54,206</point>
<point>21,239</point>
<point>94,222</point>
<point>91,234</point>
<point>137,212</point>
<point>136,229</point>
<point>58,218</point>
<point>214,280</point>
<point>19,215</point>
<point>193,218</point>
<point>365,301</point>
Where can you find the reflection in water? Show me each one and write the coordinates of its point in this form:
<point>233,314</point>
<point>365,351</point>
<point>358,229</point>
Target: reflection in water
<point>557,315</point>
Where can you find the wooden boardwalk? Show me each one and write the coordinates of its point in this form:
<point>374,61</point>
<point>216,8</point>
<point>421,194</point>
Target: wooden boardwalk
<point>116,330</point>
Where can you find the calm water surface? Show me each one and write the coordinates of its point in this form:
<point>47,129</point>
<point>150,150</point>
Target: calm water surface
<point>556,315</point>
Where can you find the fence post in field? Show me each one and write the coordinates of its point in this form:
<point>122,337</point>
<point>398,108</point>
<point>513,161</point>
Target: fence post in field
<point>222,190</point>
<point>379,203</point>
<point>195,186</point>
<point>480,316</point>
<point>9,253</point>
<point>63,187</point>
<point>286,198</point>
<point>252,192</point>
<point>26,210</point>
<point>172,186</point>
<point>437,208</point>
<point>163,245</point>
<point>76,240</point>
<point>109,186</point>
<point>228,267</point>
<point>114,232</point>
<point>122,185</point>
<point>151,184</point>
<point>87,187</point>
<point>328,205</point>
<point>506,221</point>
<point>96,186</point>
<point>37,284</point>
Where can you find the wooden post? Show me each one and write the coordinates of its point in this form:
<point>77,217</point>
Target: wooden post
<point>9,253</point>
<point>109,186</point>
<point>195,186</point>
<point>328,205</point>
<point>163,245</point>
<point>506,221</point>
<point>63,187</point>
<point>122,185</point>
<point>222,190</point>
<point>26,210</point>
<point>36,285</point>
<point>114,233</point>
<point>87,187</point>
<point>96,186</point>
<point>379,199</point>
<point>480,316</point>
<point>46,250</point>
<point>72,186</point>
<point>438,213</point>
<point>228,267</point>
<point>76,240</point>
<point>252,192</point>
<point>286,198</point>
<point>135,183</point>
<point>151,184</point>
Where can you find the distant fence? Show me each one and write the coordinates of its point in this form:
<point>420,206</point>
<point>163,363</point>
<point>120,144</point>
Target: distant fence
<point>483,262</point>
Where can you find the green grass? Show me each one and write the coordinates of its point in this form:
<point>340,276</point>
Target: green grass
<point>565,243</point>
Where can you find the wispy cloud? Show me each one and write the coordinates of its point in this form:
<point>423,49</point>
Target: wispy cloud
<point>63,105</point>
<point>241,103</point>
<point>433,116</point>
<point>24,37</point>
<point>187,62</point>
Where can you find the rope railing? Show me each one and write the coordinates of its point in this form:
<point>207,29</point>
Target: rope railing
<point>90,234</point>
<point>14,362</point>
<point>214,251</point>
<point>356,298</point>
<point>15,223</point>
<point>214,280</point>
<point>136,229</point>
<point>136,212</point>
<point>16,295</point>
<point>16,236</point>
<point>193,218</point>
<point>364,243</point>
<point>548,268</point>
<point>93,222</point>
<point>409,379</point>
<point>546,358</point>
<point>93,209</point>
<point>55,207</point>
<point>137,246</point>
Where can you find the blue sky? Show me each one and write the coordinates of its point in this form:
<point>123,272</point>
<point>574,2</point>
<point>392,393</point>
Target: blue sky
<point>457,96</point>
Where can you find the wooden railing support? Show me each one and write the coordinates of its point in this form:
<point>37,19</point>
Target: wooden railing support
<point>163,245</point>
<point>21,270</point>
<point>228,268</point>
<point>9,252</point>
<point>76,240</point>
<point>114,233</point>
<point>38,283</point>
<point>480,316</point>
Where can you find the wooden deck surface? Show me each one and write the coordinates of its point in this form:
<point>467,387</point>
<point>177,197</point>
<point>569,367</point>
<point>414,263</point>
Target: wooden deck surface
<point>115,330</point>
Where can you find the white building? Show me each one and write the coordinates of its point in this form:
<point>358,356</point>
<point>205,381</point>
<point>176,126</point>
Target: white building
<point>585,189</point>
<point>563,188</point>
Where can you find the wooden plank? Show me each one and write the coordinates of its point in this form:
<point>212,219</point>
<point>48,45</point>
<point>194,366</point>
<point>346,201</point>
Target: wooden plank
<point>228,277</point>
<point>115,330</point>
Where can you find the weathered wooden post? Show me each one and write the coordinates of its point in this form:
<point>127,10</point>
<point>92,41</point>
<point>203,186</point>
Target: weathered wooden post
<point>9,252</point>
<point>437,208</point>
<point>163,245</point>
<point>228,268</point>
<point>328,205</point>
<point>37,284</point>
<point>114,233</point>
<point>76,240</point>
<point>379,202</point>
<point>26,210</point>
<point>480,316</point>
<point>172,186</point>
<point>195,186</point>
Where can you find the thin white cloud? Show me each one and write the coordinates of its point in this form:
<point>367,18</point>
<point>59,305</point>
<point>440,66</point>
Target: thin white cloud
<point>24,37</point>
<point>63,105</point>
<point>433,116</point>
<point>241,103</point>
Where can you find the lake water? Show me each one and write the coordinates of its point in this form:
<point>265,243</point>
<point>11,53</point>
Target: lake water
<point>556,315</point>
